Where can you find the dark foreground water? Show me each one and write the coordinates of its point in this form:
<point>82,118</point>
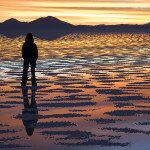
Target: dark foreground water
<point>93,93</point>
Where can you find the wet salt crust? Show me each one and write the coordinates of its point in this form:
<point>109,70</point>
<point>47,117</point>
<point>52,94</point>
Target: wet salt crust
<point>92,93</point>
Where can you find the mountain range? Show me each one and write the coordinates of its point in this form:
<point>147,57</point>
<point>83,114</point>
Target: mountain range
<point>51,28</point>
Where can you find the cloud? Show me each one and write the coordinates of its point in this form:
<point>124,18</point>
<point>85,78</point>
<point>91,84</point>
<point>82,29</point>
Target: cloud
<point>74,11</point>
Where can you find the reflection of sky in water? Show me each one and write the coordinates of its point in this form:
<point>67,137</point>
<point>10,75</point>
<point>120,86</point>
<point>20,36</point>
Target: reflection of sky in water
<point>93,93</point>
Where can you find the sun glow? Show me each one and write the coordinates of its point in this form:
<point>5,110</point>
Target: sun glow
<point>79,12</point>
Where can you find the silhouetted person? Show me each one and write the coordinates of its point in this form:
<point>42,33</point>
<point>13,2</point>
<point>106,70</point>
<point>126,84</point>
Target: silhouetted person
<point>30,55</point>
<point>30,111</point>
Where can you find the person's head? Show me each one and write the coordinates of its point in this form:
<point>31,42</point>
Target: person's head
<point>29,38</point>
<point>29,130</point>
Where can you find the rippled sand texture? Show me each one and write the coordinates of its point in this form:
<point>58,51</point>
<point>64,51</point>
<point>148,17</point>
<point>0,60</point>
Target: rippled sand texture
<point>93,93</point>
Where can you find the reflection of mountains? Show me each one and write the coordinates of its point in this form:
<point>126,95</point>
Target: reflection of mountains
<point>52,28</point>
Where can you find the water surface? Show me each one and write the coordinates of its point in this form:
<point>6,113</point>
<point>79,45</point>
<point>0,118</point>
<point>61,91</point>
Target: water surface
<point>92,93</point>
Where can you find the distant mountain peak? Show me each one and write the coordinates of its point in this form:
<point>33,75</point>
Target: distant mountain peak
<point>50,21</point>
<point>50,17</point>
<point>47,19</point>
<point>11,20</point>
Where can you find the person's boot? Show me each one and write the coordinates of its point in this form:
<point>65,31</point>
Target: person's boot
<point>23,84</point>
<point>24,81</point>
<point>34,83</point>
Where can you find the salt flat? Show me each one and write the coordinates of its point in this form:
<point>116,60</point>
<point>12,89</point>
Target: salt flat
<point>92,93</point>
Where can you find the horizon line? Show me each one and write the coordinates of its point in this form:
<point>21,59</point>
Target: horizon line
<point>76,24</point>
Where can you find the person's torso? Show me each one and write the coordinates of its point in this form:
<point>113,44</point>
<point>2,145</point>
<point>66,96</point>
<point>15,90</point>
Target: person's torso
<point>30,50</point>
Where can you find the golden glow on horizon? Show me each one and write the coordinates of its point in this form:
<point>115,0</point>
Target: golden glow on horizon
<point>77,11</point>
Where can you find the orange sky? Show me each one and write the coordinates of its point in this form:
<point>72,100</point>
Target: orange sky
<point>78,11</point>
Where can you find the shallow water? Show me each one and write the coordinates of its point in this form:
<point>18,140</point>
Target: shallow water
<point>92,93</point>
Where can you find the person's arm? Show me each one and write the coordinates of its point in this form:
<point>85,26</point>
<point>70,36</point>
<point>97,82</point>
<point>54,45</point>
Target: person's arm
<point>23,51</point>
<point>36,52</point>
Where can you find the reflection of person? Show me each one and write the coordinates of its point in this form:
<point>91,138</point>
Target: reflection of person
<point>30,55</point>
<point>30,111</point>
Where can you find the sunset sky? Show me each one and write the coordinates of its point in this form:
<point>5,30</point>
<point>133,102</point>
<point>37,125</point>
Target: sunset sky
<point>78,11</point>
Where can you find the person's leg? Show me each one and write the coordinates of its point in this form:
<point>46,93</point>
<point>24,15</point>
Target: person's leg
<point>25,72</point>
<point>33,65</point>
<point>33,101</point>
<point>25,97</point>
